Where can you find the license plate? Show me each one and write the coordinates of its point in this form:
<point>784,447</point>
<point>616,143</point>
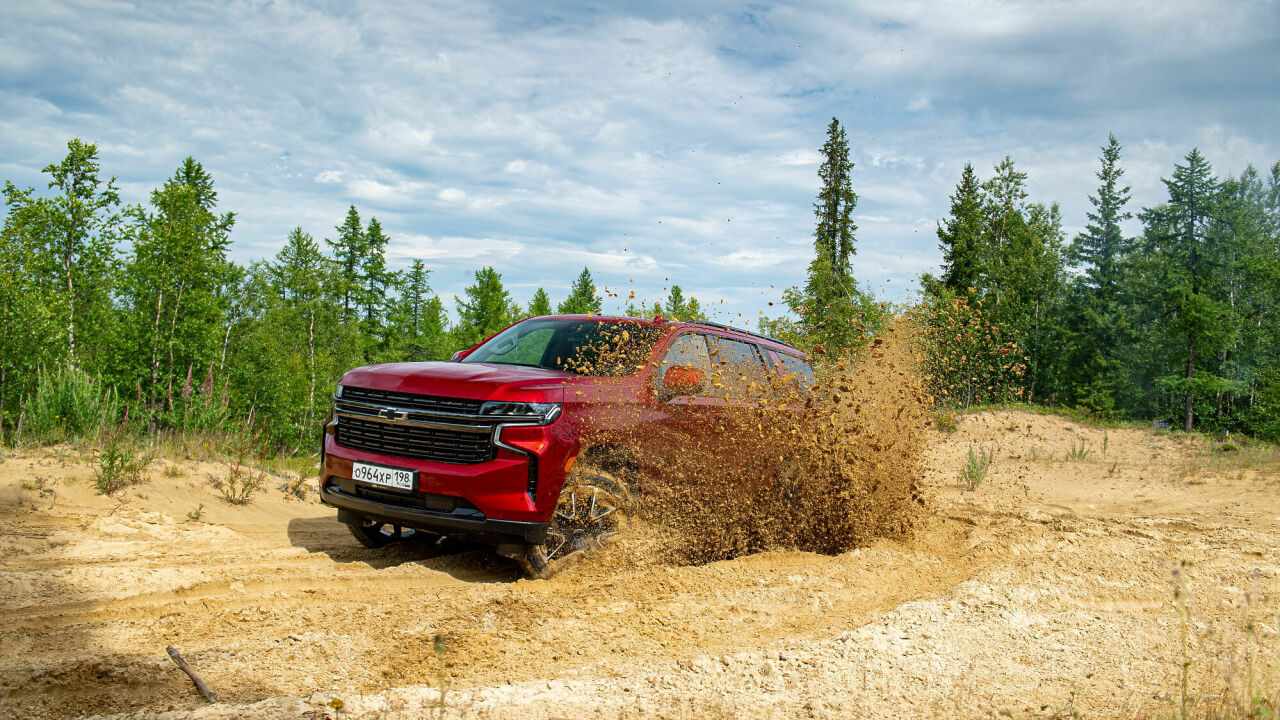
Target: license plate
<point>385,476</point>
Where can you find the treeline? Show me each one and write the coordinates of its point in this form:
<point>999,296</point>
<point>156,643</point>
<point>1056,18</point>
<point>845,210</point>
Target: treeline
<point>141,304</point>
<point>1180,324</point>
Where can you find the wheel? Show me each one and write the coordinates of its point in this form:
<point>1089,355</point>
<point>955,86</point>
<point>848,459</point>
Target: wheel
<point>375,534</point>
<point>590,511</point>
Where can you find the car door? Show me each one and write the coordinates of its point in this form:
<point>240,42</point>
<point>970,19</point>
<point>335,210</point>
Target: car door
<point>688,442</point>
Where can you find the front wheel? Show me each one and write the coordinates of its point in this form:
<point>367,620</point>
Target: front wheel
<point>590,511</point>
<point>375,534</point>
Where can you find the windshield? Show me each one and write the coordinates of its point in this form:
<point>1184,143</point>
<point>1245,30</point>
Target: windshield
<point>583,347</point>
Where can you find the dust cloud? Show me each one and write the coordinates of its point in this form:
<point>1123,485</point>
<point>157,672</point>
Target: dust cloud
<point>824,471</point>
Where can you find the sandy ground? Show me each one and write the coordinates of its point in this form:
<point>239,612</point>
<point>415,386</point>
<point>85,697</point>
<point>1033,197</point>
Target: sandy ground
<point>1049,590</point>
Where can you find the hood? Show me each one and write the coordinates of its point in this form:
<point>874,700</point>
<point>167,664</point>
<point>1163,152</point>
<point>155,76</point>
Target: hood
<point>477,381</point>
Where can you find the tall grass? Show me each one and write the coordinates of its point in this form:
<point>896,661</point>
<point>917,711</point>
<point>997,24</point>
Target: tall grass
<point>68,404</point>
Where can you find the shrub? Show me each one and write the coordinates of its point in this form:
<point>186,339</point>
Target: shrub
<point>966,358</point>
<point>975,468</point>
<point>120,459</point>
<point>242,481</point>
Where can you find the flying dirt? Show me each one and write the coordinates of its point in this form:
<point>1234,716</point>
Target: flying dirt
<point>872,584</point>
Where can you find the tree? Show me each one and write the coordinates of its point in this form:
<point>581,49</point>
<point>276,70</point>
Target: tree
<point>419,324</point>
<point>1098,249</point>
<point>582,298</point>
<point>831,308</point>
<point>486,309</point>
<point>540,304</point>
<point>376,278</point>
<point>1096,311</point>
<point>350,251</point>
<point>1184,252</point>
<point>73,234</point>
<point>677,308</point>
<point>960,238</point>
<point>172,285</point>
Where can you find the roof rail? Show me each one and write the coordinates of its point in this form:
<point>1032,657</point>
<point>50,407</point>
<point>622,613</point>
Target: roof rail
<point>722,326</point>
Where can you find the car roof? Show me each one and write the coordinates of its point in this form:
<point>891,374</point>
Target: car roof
<point>716,328</point>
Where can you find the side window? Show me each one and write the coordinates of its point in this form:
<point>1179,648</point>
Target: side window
<point>736,367</point>
<point>688,349</point>
<point>796,369</point>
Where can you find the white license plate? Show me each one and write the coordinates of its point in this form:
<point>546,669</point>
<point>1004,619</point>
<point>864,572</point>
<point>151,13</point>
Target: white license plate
<point>385,476</point>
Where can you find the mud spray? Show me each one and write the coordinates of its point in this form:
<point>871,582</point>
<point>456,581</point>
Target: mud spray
<point>824,470</point>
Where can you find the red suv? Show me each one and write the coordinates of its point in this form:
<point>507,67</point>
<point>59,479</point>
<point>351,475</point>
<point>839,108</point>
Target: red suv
<point>536,438</point>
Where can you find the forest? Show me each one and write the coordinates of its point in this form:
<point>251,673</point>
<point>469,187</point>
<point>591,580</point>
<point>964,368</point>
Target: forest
<point>135,317</point>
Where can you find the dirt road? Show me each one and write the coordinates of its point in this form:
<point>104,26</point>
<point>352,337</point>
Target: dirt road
<point>1048,589</point>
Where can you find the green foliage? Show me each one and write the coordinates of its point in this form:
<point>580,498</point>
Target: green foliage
<point>540,304</point>
<point>1078,453</point>
<point>975,468</point>
<point>120,458</point>
<point>582,299</point>
<point>486,309</point>
<point>68,404</point>
<point>967,357</point>
<point>676,307</point>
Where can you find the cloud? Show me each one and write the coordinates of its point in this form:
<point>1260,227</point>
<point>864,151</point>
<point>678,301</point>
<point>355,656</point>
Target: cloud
<point>649,140</point>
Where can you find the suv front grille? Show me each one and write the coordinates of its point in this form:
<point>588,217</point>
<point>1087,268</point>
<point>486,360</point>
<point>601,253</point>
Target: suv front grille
<point>410,401</point>
<point>414,442</point>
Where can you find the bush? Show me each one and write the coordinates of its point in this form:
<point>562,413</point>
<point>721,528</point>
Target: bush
<point>120,459</point>
<point>967,359</point>
<point>68,404</point>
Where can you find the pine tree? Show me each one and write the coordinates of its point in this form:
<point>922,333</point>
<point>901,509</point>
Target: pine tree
<point>540,304</point>
<point>582,298</point>
<point>960,238</point>
<point>350,251</point>
<point>830,278</point>
<point>419,323</point>
<point>376,279</point>
<point>1098,248</point>
<point>1184,253</point>
<point>831,308</point>
<point>486,309</point>
<point>677,307</point>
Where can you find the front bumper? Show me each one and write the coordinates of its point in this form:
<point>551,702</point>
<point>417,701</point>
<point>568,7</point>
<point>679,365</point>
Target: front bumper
<point>460,521</point>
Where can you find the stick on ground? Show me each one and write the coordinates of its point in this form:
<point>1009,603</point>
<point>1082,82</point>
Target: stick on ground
<point>201,685</point>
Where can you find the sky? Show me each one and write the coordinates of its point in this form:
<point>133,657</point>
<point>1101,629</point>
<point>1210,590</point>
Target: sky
<point>656,143</point>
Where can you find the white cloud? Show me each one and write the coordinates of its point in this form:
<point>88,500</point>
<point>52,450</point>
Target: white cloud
<point>648,141</point>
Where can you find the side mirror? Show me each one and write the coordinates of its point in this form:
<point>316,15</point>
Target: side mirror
<point>683,380</point>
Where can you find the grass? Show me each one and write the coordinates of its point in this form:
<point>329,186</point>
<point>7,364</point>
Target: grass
<point>120,459</point>
<point>1218,671</point>
<point>1078,453</point>
<point>975,468</point>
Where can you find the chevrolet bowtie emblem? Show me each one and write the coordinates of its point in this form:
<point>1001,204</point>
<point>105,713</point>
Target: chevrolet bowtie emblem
<point>392,414</point>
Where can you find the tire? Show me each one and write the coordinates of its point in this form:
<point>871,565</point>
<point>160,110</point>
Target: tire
<point>591,509</point>
<point>375,534</point>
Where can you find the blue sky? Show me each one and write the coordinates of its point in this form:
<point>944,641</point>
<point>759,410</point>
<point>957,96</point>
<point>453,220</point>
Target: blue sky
<point>655,142</point>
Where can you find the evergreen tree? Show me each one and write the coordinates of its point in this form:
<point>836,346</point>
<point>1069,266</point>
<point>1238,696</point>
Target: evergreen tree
<point>582,298</point>
<point>540,304</point>
<point>376,278</point>
<point>486,309</point>
<point>831,308</point>
<point>1098,249</point>
<point>1096,312</point>
<point>1184,253</point>
<point>677,308</point>
<point>350,251</point>
<point>420,323</point>
<point>960,238</point>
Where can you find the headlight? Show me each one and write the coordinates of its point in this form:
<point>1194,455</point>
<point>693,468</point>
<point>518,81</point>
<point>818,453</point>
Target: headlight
<point>338,393</point>
<point>543,413</point>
